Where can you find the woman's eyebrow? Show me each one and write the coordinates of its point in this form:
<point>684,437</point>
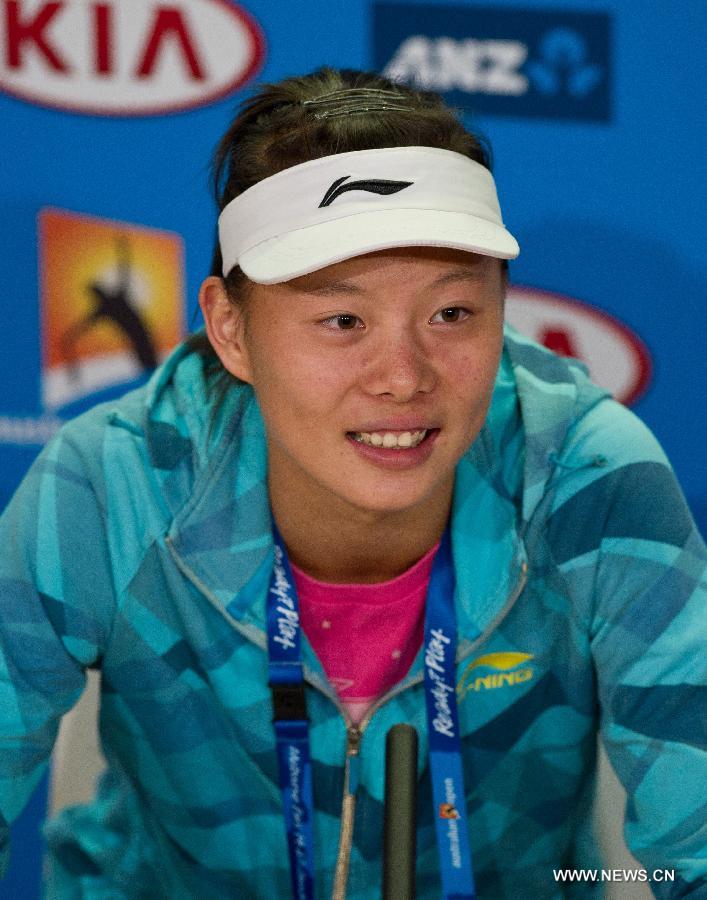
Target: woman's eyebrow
<point>465,273</point>
<point>472,272</point>
<point>333,287</point>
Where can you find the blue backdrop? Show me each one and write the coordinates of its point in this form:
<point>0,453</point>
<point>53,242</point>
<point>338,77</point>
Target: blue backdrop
<point>596,118</point>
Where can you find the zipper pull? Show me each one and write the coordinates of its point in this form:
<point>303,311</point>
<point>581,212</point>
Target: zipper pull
<point>353,744</point>
<point>348,811</point>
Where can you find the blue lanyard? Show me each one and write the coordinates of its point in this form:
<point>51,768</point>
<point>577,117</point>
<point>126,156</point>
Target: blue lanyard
<point>290,721</point>
<point>292,731</point>
<point>448,797</point>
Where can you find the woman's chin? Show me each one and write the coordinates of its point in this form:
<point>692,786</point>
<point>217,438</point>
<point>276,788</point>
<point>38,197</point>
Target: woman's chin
<point>393,496</point>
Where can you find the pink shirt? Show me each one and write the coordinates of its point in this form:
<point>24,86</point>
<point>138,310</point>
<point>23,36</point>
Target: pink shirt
<point>365,635</point>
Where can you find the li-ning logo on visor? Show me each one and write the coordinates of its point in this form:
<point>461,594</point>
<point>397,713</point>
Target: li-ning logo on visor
<point>373,186</point>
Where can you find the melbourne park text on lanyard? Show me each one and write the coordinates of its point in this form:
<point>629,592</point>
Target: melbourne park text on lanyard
<point>292,731</point>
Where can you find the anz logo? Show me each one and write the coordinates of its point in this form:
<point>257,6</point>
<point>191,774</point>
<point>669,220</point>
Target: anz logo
<point>563,66</point>
<point>444,63</point>
<point>529,63</point>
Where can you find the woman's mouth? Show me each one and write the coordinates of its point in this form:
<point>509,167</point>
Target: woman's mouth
<point>390,440</point>
<point>395,450</point>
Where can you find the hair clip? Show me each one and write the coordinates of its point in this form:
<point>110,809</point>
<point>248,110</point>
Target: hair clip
<point>358,110</point>
<point>353,93</point>
<point>357,101</point>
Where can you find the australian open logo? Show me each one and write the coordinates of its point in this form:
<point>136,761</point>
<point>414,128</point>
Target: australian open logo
<point>435,659</point>
<point>449,811</point>
<point>111,308</point>
<point>287,617</point>
<point>545,63</point>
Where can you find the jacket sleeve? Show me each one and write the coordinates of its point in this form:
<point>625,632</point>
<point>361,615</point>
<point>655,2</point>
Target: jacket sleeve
<point>56,603</point>
<point>649,642</point>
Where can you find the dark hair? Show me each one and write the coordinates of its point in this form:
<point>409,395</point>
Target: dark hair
<point>280,126</point>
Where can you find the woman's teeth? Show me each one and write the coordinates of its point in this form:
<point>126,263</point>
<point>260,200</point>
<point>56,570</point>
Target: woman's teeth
<point>390,440</point>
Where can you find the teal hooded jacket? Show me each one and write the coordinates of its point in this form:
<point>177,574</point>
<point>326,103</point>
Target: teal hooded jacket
<point>140,544</point>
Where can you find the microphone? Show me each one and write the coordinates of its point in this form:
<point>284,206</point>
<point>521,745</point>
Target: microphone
<point>400,813</point>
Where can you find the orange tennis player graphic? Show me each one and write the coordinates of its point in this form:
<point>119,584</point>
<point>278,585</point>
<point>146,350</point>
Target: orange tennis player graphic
<point>112,303</point>
<point>448,811</point>
<point>115,304</point>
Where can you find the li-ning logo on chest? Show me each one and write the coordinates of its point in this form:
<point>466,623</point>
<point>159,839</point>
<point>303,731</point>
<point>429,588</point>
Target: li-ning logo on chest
<point>372,185</point>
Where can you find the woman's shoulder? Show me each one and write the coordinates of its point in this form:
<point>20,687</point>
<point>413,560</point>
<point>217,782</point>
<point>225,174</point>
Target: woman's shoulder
<point>176,407</point>
<point>591,463</point>
<point>578,419</point>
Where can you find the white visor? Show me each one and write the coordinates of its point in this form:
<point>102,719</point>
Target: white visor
<point>330,209</point>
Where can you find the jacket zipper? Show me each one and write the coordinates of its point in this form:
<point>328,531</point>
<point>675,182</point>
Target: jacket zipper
<point>348,812</point>
<point>355,733</point>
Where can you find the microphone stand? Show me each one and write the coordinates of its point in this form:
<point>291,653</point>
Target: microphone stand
<point>400,813</point>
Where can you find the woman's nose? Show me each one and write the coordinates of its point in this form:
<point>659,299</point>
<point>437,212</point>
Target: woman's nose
<point>400,369</point>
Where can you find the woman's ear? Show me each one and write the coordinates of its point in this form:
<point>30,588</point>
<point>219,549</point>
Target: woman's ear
<point>225,327</point>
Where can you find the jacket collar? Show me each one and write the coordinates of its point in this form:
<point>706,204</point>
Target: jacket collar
<point>222,536</point>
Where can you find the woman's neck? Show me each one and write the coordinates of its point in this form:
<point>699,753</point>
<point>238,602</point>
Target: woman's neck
<point>339,543</point>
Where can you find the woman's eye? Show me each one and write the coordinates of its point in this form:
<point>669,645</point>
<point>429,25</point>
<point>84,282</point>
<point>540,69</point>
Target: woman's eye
<point>451,314</point>
<point>344,322</point>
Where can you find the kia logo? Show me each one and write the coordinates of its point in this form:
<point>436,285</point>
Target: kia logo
<point>616,357</point>
<point>126,57</point>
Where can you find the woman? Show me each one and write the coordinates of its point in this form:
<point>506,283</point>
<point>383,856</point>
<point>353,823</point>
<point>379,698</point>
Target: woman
<point>472,537</point>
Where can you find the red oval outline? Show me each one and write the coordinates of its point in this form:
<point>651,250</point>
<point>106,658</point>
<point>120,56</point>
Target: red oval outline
<point>625,334</point>
<point>256,63</point>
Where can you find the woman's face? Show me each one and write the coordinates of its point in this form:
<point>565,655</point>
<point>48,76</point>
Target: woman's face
<point>374,375</point>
